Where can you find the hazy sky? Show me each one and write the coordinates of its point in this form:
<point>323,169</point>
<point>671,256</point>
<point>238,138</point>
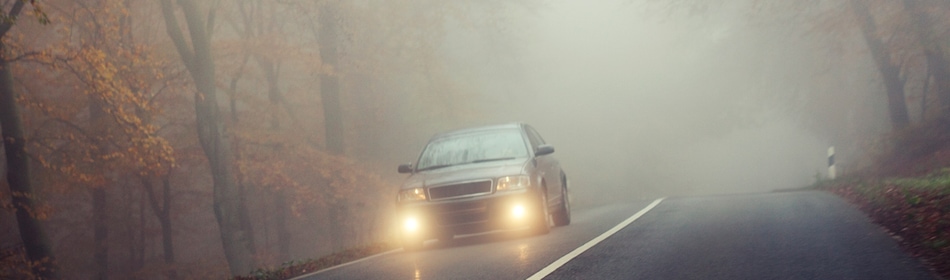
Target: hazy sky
<point>644,105</point>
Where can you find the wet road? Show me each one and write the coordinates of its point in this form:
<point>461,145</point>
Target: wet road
<point>791,235</point>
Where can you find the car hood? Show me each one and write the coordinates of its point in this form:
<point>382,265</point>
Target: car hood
<point>466,172</point>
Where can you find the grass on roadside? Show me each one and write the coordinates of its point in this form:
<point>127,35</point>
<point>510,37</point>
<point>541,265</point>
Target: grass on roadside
<point>295,268</point>
<point>916,210</point>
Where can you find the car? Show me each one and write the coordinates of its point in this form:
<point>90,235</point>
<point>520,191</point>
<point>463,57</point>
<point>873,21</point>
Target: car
<point>482,179</point>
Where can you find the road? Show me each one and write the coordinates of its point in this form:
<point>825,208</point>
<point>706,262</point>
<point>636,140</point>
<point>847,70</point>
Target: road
<point>787,235</point>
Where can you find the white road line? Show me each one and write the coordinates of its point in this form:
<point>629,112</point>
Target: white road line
<point>344,264</point>
<point>566,258</point>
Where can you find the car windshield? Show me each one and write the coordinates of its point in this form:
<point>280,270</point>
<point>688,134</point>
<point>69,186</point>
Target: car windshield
<point>473,147</point>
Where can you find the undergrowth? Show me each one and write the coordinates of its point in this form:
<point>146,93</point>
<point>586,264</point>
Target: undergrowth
<point>915,210</point>
<point>295,268</point>
<point>906,189</point>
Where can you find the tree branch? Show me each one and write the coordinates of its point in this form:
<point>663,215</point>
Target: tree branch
<point>150,193</point>
<point>195,26</point>
<point>11,17</point>
<point>174,31</point>
<point>211,17</point>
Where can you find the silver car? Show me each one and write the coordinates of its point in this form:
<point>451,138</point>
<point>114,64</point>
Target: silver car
<point>482,179</point>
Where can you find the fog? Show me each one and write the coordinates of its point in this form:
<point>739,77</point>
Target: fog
<point>642,102</point>
<point>317,102</point>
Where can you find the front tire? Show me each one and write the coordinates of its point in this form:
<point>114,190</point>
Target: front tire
<point>563,215</point>
<point>541,224</point>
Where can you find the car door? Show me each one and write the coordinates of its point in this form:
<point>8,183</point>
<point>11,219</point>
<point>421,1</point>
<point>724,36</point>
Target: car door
<point>548,167</point>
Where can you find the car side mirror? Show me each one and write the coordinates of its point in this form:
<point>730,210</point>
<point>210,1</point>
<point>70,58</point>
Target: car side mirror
<point>544,150</point>
<point>405,168</point>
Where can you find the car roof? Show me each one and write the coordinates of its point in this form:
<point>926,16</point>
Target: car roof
<point>513,125</point>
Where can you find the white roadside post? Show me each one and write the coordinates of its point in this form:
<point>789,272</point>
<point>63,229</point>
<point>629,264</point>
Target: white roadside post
<point>831,163</point>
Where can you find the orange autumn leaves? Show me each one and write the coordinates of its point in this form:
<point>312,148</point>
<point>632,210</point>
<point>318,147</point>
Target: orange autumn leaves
<point>95,105</point>
<point>94,61</point>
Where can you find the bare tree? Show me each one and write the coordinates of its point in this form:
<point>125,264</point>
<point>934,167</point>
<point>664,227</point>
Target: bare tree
<point>212,131</point>
<point>34,236</point>
<point>937,64</point>
<point>327,34</point>
<point>890,73</point>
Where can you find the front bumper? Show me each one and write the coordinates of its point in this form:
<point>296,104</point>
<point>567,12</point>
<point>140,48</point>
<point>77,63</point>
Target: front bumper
<point>507,210</point>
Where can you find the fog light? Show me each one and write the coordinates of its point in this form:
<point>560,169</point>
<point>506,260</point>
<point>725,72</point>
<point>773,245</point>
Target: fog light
<point>410,224</point>
<point>517,211</point>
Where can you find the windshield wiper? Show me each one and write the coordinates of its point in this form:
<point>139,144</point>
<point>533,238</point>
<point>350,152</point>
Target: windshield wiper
<point>435,167</point>
<point>492,159</point>
<point>474,161</point>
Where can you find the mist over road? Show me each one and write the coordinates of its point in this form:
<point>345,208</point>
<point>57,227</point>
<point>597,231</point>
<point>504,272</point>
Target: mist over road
<point>786,235</point>
<point>648,104</point>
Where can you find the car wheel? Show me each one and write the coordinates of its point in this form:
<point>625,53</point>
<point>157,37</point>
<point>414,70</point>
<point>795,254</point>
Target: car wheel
<point>563,215</point>
<point>541,223</point>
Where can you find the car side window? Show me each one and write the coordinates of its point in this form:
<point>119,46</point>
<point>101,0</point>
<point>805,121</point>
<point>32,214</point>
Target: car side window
<point>535,138</point>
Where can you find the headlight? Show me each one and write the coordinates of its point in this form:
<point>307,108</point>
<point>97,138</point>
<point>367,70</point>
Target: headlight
<point>410,225</point>
<point>509,183</point>
<point>518,211</point>
<point>414,194</point>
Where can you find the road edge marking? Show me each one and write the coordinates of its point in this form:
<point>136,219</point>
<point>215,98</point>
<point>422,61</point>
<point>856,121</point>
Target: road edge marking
<point>566,258</point>
<point>344,264</point>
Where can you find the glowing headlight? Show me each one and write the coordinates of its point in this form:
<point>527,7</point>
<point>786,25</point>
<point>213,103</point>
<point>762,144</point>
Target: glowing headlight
<point>517,211</point>
<point>414,194</point>
<point>410,224</point>
<point>508,183</point>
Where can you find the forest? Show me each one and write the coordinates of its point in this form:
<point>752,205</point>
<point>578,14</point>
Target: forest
<point>206,139</point>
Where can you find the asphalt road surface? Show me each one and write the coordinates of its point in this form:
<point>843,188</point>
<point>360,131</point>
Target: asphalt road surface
<point>789,235</point>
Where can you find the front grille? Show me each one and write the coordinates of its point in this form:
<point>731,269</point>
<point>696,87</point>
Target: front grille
<point>460,190</point>
<point>462,212</point>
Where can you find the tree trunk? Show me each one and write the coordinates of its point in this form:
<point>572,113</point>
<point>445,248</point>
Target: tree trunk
<point>335,231</point>
<point>34,236</point>
<point>271,73</point>
<point>163,213</point>
<point>283,233</point>
<point>273,88</point>
<point>100,213</point>
<point>890,73</point>
<point>168,247</point>
<point>941,75</point>
<point>140,256</point>
<point>101,232</point>
<point>330,82</point>
<point>937,63</point>
<point>212,134</point>
<point>332,106</point>
<point>241,184</point>
<point>131,231</point>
